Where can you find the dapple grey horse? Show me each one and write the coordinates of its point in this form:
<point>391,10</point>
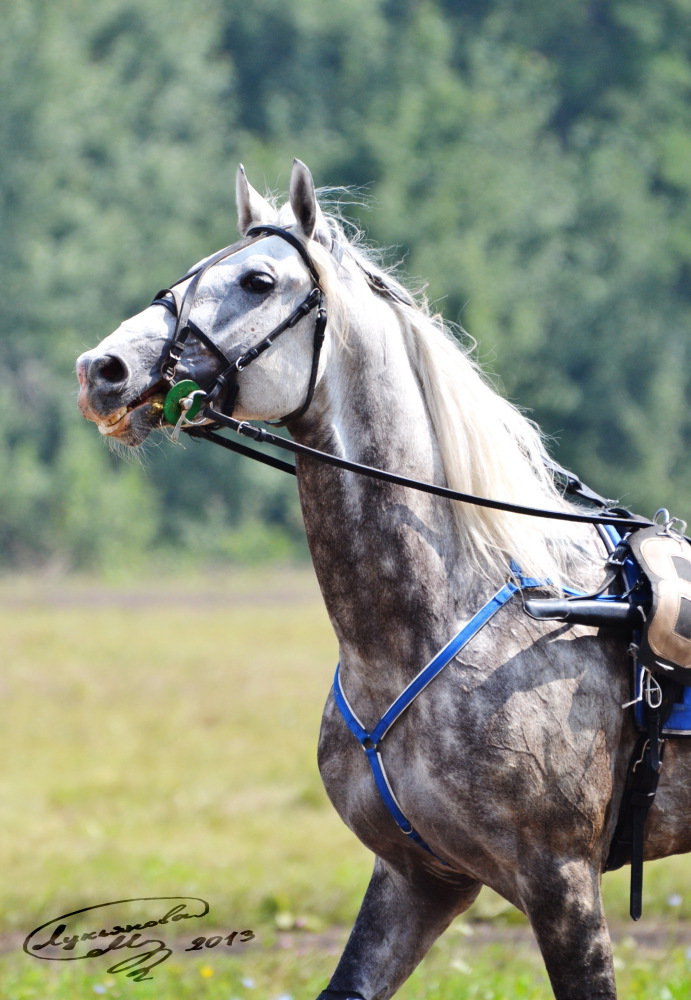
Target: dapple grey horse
<point>509,766</point>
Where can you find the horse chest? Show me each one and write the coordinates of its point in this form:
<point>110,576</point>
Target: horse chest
<point>473,753</point>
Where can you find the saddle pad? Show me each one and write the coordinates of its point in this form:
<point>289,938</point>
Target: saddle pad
<point>665,558</point>
<point>679,721</point>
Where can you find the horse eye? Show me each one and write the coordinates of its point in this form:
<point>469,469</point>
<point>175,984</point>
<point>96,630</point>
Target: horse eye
<point>257,281</point>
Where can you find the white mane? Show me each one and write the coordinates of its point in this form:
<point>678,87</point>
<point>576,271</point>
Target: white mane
<point>487,446</point>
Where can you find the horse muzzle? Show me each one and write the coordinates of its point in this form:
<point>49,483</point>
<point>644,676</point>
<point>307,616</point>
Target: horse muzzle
<point>109,398</point>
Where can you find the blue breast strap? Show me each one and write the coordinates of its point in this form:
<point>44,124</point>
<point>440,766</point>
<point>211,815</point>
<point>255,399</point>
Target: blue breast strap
<point>371,741</point>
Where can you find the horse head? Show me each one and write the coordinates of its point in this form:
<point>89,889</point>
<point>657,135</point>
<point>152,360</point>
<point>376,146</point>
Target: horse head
<point>207,326</point>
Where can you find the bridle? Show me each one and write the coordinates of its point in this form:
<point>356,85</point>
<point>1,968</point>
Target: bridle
<point>223,391</point>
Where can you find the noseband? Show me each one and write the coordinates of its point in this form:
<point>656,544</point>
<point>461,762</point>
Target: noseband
<point>224,389</point>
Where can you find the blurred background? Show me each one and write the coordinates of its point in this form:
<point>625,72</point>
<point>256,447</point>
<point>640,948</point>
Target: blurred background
<point>529,162</point>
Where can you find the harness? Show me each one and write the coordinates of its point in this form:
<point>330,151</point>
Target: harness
<point>200,412</point>
<point>653,702</point>
<point>371,740</point>
<point>660,686</point>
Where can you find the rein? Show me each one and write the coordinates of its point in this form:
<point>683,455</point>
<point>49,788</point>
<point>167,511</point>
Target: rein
<point>196,413</point>
<point>198,429</point>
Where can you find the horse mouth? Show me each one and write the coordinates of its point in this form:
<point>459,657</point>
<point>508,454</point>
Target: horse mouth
<point>133,421</point>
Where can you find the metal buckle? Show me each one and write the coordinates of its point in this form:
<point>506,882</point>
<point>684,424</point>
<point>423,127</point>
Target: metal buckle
<point>670,525</point>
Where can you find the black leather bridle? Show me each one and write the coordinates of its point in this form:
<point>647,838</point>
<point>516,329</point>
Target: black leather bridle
<point>223,391</point>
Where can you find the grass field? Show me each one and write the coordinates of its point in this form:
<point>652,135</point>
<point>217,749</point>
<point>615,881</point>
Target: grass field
<point>160,741</point>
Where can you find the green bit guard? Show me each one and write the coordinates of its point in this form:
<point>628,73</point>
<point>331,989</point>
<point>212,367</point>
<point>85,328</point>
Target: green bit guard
<point>172,404</point>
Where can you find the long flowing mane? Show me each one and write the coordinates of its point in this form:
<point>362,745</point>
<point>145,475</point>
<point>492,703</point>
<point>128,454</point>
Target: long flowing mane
<point>487,446</point>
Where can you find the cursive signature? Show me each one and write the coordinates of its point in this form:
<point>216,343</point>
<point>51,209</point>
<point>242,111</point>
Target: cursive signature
<point>63,939</point>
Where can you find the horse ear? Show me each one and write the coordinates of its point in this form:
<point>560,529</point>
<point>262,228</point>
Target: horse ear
<point>253,210</point>
<point>303,202</point>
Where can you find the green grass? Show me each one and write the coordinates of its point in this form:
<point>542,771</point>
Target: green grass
<point>457,968</point>
<point>161,740</point>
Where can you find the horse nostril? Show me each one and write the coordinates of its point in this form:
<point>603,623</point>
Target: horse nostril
<point>109,369</point>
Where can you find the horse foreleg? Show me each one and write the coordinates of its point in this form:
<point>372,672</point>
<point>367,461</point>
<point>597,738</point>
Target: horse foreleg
<point>565,909</point>
<point>400,918</point>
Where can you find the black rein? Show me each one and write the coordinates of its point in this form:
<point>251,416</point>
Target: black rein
<point>180,306</point>
<point>261,436</point>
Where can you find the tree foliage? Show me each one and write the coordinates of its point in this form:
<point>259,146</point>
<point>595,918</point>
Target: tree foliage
<point>529,162</point>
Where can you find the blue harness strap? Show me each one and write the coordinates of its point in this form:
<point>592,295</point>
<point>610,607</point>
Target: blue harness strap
<point>371,741</point>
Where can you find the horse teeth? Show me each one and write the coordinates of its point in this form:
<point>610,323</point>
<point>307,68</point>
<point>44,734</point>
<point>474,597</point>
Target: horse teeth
<point>105,426</point>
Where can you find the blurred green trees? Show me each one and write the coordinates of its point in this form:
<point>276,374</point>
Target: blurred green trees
<point>530,162</point>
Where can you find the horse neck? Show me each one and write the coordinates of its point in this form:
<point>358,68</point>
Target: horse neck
<point>389,561</point>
